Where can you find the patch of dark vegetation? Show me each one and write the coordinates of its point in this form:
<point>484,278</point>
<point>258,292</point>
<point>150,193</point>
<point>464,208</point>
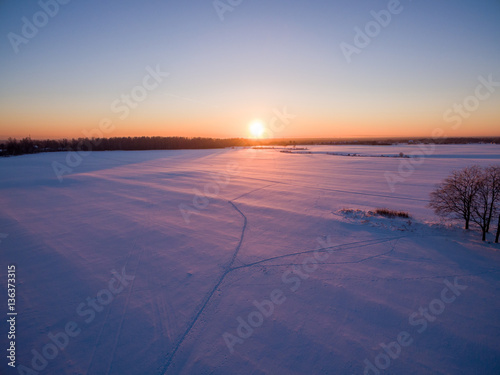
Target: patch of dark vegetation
<point>392,213</point>
<point>13,147</point>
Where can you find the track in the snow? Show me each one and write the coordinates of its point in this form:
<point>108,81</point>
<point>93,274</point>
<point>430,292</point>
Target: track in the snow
<point>208,296</point>
<point>230,268</point>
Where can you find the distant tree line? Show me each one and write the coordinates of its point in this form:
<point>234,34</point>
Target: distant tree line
<point>471,194</point>
<point>28,146</point>
<point>410,141</point>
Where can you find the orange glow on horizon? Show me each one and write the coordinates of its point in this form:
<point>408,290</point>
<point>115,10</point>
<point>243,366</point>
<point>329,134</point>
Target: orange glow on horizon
<point>234,125</point>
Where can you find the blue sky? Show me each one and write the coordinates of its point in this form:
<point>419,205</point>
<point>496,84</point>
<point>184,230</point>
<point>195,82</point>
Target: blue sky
<point>264,55</point>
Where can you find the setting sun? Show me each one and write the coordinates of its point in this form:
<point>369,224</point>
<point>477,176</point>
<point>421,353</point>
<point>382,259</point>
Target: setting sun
<point>257,129</point>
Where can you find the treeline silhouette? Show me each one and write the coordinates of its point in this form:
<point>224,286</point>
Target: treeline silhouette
<point>27,145</point>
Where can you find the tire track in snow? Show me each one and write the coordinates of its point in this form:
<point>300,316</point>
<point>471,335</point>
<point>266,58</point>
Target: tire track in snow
<point>337,263</point>
<point>250,192</point>
<point>326,188</point>
<point>346,246</point>
<point>209,296</point>
<point>373,279</point>
<point>361,193</point>
<point>230,269</point>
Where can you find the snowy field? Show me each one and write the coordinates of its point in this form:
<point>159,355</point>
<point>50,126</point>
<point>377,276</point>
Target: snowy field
<point>242,261</point>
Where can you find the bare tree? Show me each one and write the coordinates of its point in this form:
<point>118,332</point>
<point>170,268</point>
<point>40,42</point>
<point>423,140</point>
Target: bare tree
<point>483,203</point>
<point>455,196</point>
<point>498,230</point>
<point>493,173</point>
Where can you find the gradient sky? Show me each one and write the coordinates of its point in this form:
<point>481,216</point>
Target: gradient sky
<point>265,55</point>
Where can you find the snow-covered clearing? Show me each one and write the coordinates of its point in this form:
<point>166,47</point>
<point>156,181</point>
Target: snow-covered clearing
<point>243,261</point>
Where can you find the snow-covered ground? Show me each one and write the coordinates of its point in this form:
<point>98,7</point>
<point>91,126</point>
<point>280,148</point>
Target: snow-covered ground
<point>243,261</point>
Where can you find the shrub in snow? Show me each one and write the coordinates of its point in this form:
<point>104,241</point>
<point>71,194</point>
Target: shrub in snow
<point>392,213</point>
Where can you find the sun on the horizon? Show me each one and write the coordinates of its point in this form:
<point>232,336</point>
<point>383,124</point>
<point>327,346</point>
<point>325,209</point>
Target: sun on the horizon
<point>257,129</point>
